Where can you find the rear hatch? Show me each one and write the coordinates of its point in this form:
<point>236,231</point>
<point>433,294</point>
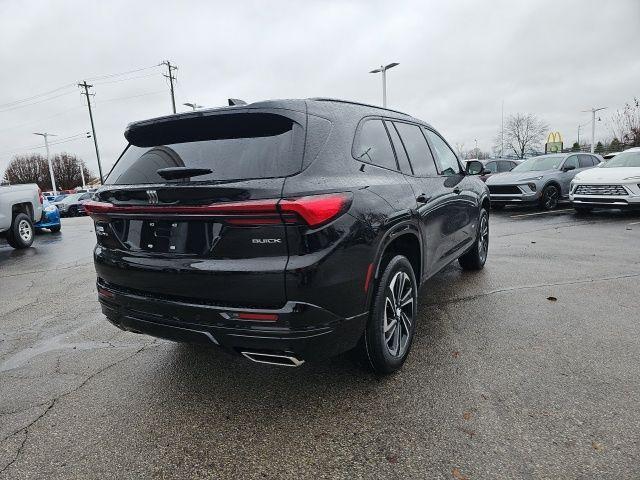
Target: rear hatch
<point>189,211</point>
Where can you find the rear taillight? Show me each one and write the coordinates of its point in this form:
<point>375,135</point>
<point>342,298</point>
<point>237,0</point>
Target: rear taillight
<point>314,210</point>
<point>40,197</point>
<point>317,210</point>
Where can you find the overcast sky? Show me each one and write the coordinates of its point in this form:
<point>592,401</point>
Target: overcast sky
<point>459,60</point>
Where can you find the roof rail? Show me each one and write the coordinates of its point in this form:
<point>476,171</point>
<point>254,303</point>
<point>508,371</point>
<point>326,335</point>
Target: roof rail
<point>327,99</point>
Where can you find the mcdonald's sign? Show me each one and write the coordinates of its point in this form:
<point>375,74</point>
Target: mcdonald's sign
<point>554,143</point>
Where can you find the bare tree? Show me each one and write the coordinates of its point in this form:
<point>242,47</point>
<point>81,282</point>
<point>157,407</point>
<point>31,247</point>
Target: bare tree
<point>625,123</point>
<point>524,133</point>
<point>35,169</point>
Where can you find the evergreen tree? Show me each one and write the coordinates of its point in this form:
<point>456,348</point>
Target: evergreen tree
<point>576,147</point>
<point>599,148</point>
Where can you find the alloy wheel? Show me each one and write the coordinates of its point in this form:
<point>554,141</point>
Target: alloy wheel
<point>483,241</point>
<point>551,197</point>
<point>398,314</point>
<point>25,231</point>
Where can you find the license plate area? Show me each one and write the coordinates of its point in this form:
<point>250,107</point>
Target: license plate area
<point>171,236</point>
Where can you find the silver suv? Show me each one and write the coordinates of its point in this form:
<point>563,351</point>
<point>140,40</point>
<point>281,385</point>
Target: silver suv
<point>541,181</point>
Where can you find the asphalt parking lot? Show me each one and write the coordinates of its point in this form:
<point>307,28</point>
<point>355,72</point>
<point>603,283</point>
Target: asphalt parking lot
<point>528,369</point>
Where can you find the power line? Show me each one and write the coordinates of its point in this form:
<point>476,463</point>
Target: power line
<point>130,96</point>
<point>71,138</point>
<point>111,75</point>
<point>64,112</point>
<point>69,85</point>
<point>35,103</point>
<point>15,102</point>
<point>125,79</point>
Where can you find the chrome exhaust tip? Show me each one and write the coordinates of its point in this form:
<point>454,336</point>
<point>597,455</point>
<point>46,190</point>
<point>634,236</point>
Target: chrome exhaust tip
<point>273,359</point>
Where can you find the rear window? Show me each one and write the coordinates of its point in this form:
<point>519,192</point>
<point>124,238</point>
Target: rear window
<point>236,146</point>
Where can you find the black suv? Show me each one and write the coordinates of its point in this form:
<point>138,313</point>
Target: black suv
<point>286,230</point>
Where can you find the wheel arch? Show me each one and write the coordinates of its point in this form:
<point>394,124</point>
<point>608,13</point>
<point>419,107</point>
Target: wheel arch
<point>25,208</point>
<point>404,239</point>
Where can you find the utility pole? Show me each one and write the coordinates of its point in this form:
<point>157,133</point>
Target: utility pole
<point>593,126</point>
<point>171,77</point>
<point>502,133</point>
<point>383,69</point>
<point>46,145</point>
<point>93,128</point>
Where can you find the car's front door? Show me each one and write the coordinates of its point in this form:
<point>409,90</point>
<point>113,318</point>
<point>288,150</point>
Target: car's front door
<point>567,175</point>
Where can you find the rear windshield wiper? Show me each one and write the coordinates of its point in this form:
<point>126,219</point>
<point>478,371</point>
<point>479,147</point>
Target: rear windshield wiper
<point>173,173</point>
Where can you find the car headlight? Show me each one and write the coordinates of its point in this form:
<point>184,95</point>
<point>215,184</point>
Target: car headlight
<point>532,186</point>
<point>540,177</point>
<point>50,208</point>
<point>637,177</point>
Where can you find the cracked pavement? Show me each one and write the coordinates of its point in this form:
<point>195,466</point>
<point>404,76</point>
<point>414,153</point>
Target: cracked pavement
<point>501,382</point>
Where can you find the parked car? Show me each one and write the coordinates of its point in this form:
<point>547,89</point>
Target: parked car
<point>542,181</point>
<point>20,205</point>
<point>284,231</point>
<point>50,218</point>
<point>615,184</point>
<point>72,205</point>
<point>498,165</point>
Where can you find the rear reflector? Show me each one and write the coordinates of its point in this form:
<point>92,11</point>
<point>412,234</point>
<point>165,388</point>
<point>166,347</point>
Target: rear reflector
<point>314,210</point>
<point>105,293</point>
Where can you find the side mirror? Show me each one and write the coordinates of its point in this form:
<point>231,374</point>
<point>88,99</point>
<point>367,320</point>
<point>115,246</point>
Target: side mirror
<point>568,167</point>
<point>475,168</point>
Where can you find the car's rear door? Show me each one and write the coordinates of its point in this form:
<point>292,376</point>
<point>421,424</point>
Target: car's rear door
<point>190,209</point>
<point>460,215</point>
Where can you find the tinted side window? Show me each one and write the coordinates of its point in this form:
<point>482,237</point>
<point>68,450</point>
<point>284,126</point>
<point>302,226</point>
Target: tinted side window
<point>445,156</point>
<point>492,167</point>
<point>373,145</point>
<point>585,161</point>
<point>504,166</point>
<point>401,154</point>
<point>417,148</point>
<point>571,161</point>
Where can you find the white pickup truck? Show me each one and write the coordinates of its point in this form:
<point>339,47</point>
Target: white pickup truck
<point>20,208</point>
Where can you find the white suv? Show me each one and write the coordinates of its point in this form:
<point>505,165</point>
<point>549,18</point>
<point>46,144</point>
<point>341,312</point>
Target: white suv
<point>614,184</point>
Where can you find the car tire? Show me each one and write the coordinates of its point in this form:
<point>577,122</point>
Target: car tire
<point>582,210</point>
<point>55,229</point>
<point>549,198</point>
<point>476,257</point>
<point>73,211</point>
<point>387,338</point>
<point>21,233</point>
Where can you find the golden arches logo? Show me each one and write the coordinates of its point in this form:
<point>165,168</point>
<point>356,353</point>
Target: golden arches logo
<point>554,137</point>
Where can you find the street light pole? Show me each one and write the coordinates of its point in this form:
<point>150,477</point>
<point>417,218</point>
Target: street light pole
<point>383,69</point>
<point>46,146</point>
<point>593,126</point>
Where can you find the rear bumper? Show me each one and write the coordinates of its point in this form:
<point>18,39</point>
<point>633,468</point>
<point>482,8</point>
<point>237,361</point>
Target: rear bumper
<point>305,331</point>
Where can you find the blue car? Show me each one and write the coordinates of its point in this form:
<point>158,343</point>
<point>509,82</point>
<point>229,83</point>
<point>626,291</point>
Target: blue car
<point>50,217</point>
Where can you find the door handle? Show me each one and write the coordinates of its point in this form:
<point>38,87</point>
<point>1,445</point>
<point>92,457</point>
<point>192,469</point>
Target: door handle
<point>422,198</point>
<point>457,190</point>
